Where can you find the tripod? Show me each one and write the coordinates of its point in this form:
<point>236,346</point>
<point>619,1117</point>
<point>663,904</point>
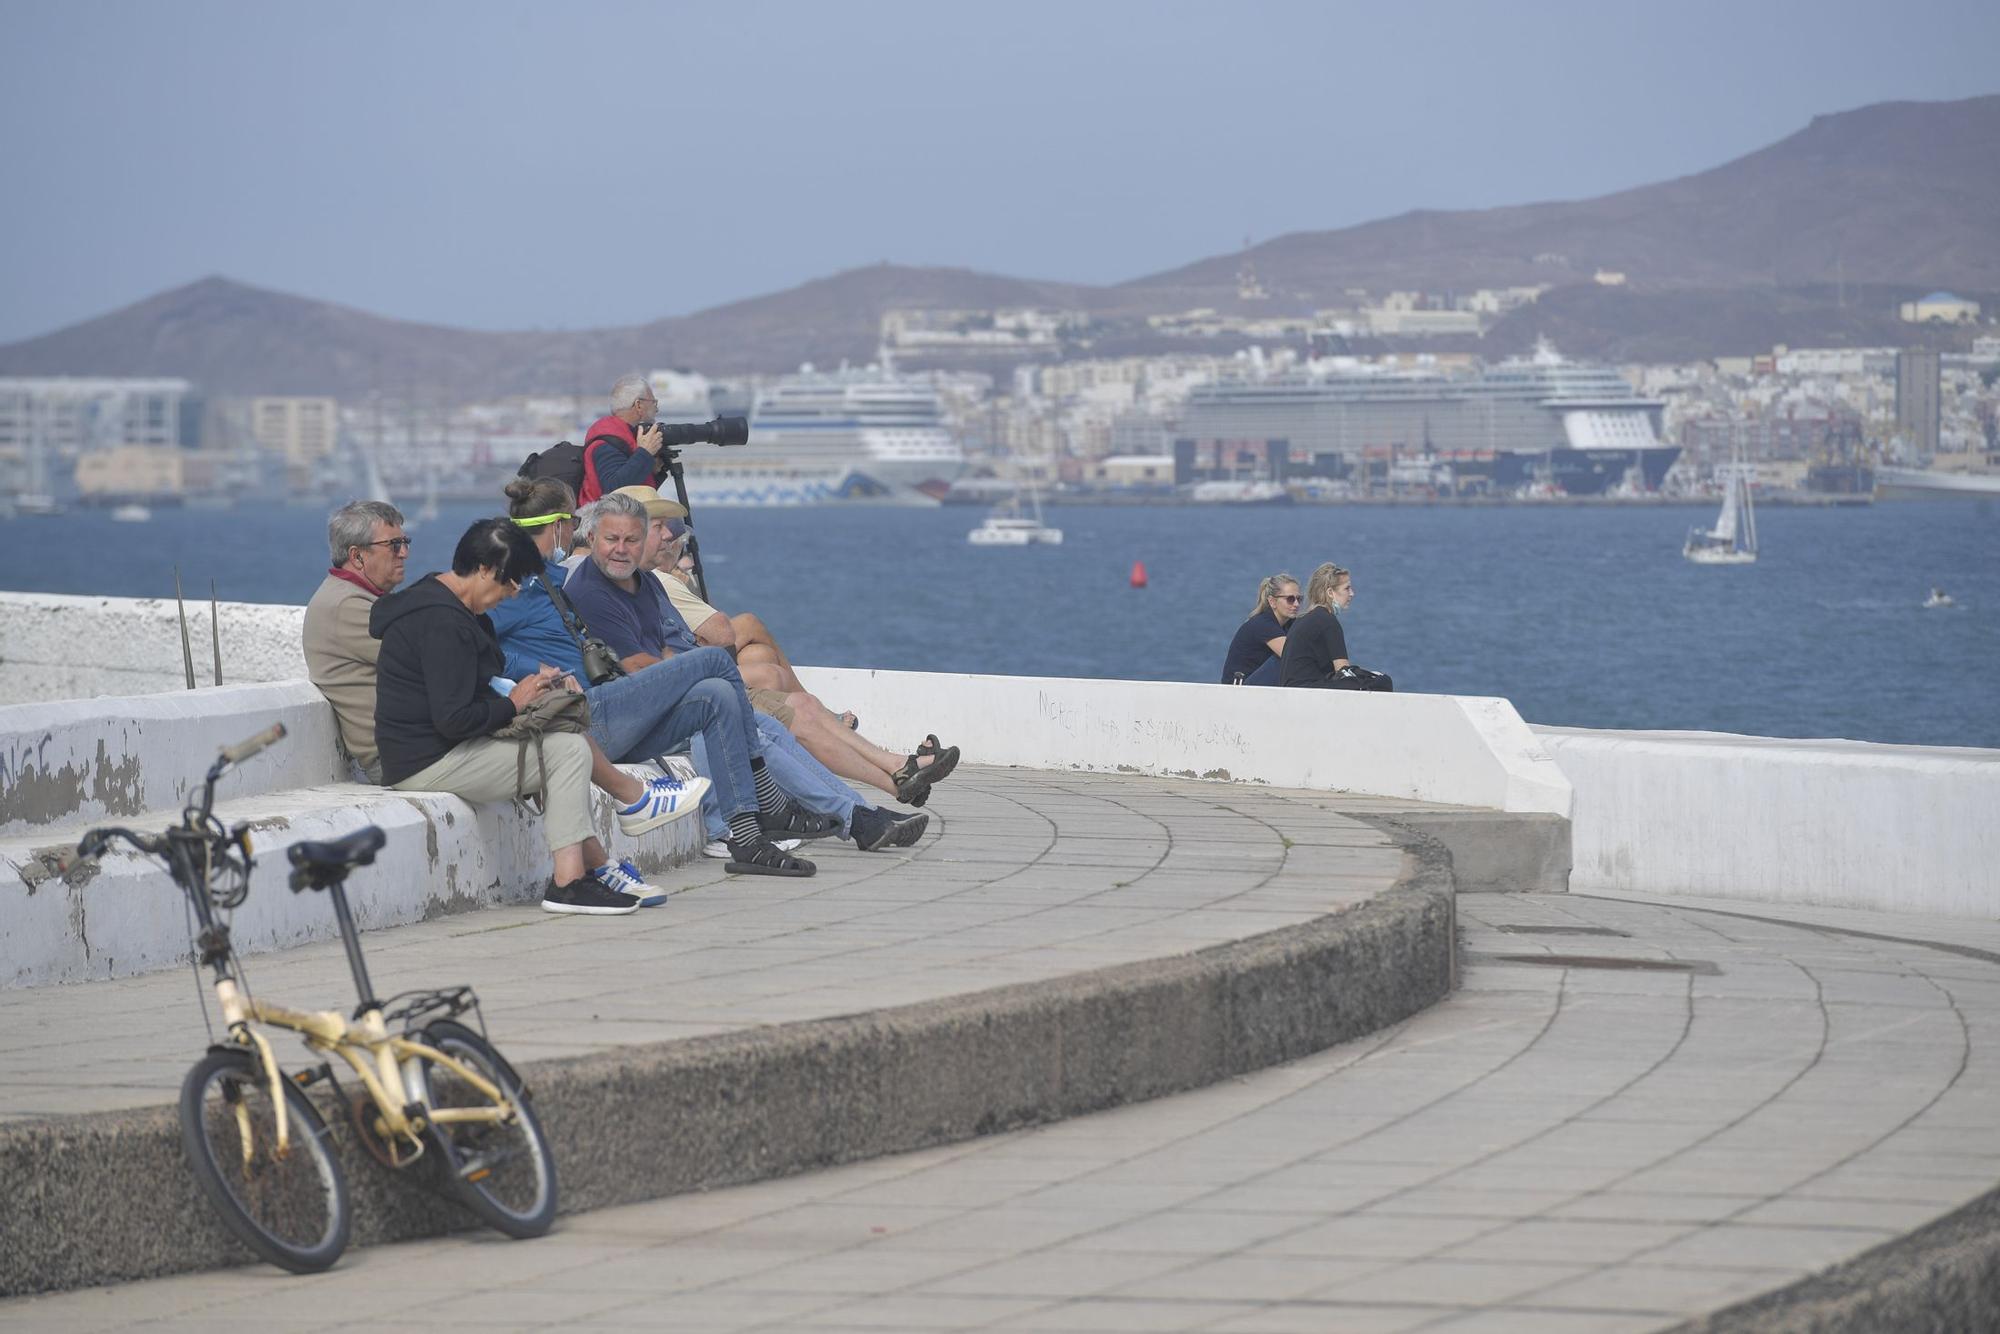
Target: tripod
<point>670,458</point>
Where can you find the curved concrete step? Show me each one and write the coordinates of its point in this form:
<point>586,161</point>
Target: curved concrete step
<point>1058,944</point>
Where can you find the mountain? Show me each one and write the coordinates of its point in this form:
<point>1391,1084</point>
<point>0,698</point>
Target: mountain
<point>231,338</point>
<point>1901,192</point>
<point>1812,239</point>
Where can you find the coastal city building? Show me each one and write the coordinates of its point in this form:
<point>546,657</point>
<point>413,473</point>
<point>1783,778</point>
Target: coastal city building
<point>1917,386</point>
<point>1940,308</point>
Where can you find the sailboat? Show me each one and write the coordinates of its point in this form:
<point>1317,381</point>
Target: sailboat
<point>1733,540</point>
<point>1008,527</point>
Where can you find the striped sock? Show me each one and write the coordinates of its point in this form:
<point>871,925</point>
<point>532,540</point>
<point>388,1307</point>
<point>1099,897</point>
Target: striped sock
<point>744,828</point>
<point>769,799</point>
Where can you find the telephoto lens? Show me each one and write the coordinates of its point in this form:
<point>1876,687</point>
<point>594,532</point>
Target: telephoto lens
<point>721,431</point>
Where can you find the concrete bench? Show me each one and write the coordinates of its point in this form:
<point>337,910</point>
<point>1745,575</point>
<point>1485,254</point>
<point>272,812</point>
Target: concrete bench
<point>136,761</point>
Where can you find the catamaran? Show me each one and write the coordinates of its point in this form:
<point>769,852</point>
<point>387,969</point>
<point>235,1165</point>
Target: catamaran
<point>1733,540</point>
<point>1008,527</point>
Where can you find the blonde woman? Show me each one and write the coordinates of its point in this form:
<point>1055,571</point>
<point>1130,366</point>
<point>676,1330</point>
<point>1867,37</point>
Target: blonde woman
<point>1316,647</point>
<point>1253,654</point>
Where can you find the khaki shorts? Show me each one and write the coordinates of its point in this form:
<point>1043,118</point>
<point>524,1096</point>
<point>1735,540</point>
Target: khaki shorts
<point>773,702</point>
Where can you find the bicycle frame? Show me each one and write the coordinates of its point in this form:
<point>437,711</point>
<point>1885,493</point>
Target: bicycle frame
<point>376,1056</point>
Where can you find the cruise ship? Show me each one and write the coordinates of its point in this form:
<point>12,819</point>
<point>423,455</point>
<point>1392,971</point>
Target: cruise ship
<point>1534,423</point>
<point>851,436</point>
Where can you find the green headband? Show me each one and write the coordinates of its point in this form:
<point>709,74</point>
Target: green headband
<point>541,519</point>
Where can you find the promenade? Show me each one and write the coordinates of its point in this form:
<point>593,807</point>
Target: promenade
<point>1629,1114</point>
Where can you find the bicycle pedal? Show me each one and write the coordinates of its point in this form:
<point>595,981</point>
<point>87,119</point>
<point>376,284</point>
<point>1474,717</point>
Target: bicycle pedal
<point>307,1078</point>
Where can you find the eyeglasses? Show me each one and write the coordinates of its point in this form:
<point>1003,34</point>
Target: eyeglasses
<point>1288,597</point>
<point>393,543</point>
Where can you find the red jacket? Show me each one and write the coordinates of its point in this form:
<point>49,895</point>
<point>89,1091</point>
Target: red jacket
<point>612,441</point>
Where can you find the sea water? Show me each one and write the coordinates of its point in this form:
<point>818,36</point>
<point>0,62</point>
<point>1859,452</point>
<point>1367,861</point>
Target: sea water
<point>1586,617</point>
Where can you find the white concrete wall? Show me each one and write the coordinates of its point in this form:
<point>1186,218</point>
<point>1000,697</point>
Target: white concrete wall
<point>54,647</point>
<point>1458,750</point>
<point>1762,819</point>
<point>82,760</point>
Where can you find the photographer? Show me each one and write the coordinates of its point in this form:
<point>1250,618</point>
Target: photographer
<point>623,447</point>
<point>1316,646</point>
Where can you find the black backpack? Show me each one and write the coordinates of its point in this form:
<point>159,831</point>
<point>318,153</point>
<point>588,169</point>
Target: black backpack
<point>564,462</point>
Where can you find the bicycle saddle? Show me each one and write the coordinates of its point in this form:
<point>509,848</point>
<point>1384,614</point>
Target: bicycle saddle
<point>357,849</point>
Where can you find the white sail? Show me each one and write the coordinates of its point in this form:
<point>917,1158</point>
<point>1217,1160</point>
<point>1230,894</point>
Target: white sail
<point>1749,542</point>
<point>1725,523</point>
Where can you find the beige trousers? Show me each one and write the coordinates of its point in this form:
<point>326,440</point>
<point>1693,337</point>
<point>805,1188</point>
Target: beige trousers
<point>484,770</point>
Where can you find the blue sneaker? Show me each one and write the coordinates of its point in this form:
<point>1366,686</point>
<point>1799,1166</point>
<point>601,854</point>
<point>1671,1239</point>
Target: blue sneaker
<point>665,799</point>
<point>622,877</point>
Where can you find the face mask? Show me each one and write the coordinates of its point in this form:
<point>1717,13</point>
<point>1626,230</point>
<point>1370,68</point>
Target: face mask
<point>558,556</point>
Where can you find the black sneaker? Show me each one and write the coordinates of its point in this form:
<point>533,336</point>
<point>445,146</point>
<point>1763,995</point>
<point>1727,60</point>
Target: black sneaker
<point>588,897</point>
<point>872,828</point>
<point>909,828</point>
<point>794,821</point>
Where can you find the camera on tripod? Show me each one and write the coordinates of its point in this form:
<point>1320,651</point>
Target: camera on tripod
<point>721,431</point>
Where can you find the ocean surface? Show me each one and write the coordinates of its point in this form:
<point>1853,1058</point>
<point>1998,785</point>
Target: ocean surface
<point>1586,617</point>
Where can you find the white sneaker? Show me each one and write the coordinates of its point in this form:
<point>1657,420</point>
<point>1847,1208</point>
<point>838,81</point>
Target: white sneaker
<point>622,877</point>
<point>665,800</point>
<point>720,850</point>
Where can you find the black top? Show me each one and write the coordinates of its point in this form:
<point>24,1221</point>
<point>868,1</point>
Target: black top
<point>1251,648</point>
<point>431,690</point>
<point>1315,642</point>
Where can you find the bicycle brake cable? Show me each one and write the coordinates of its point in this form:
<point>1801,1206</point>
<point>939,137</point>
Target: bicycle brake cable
<point>194,968</point>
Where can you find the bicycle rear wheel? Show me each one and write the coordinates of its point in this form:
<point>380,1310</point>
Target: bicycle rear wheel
<point>289,1208</point>
<point>501,1170</point>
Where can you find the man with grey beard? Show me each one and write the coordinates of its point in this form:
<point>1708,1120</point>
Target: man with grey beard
<point>616,595</point>
<point>369,550</point>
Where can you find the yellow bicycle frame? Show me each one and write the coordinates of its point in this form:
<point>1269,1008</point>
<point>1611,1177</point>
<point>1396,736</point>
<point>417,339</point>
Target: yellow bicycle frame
<point>356,1043</point>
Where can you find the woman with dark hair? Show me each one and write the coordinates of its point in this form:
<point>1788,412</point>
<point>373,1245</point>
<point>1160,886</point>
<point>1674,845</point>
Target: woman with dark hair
<point>1252,659</point>
<point>435,715</point>
<point>1316,646</point>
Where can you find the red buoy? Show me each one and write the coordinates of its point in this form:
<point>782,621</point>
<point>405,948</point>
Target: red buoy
<point>1138,574</point>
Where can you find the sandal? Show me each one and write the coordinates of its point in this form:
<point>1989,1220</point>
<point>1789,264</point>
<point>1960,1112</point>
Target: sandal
<point>764,858</point>
<point>944,758</point>
<point>795,821</point>
<point>913,781</point>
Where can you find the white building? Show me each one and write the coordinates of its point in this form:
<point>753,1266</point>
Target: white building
<point>1941,308</point>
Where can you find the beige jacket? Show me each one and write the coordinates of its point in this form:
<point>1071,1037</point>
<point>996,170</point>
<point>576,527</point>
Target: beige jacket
<point>340,658</point>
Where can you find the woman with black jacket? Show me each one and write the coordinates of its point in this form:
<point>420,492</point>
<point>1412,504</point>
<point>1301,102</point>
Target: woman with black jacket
<point>1252,659</point>
<point>436,712</point>
<point>1316,646</point>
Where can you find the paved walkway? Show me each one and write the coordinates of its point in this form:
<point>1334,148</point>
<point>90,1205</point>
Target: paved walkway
<point>1023,875</point>
<point>1631,1112</point>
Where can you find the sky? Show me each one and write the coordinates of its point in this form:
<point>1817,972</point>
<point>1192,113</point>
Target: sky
<point>503,165</point>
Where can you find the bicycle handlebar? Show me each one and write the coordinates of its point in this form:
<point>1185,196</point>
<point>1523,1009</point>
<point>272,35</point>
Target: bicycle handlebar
<point>243,750</point>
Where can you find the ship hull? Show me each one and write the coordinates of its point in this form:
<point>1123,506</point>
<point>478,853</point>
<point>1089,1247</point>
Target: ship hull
<point>1921,484</point>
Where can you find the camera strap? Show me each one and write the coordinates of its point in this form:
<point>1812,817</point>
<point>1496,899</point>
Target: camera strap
<point>571,621</point>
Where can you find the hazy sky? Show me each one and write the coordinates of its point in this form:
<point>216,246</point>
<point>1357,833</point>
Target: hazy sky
<point>518,165</point>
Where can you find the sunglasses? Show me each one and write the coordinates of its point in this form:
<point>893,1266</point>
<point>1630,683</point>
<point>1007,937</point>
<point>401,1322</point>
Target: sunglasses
<point>393,543</point>
<point>1288,597</point>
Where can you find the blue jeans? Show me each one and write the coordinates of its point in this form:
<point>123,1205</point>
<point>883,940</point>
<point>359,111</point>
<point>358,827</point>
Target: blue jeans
<point>658,708</point>
<point>803,778</point>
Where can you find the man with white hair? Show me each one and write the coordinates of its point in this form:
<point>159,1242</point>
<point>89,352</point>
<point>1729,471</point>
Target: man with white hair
<point>369,552</point>
<point>616,450</point>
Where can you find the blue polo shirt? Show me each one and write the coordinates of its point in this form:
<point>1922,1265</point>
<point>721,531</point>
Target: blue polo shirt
<point>531,631</point>
<point>641,622</point>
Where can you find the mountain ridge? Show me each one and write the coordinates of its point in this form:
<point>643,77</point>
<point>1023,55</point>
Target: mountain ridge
<point>1896,196</point>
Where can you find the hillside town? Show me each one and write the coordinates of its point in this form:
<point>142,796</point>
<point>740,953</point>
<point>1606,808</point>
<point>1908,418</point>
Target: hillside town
<point>972,405</point>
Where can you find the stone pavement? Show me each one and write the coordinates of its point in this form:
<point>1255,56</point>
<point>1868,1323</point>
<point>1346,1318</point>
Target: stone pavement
<point>1022,876</point>
<point>1630,1113</point>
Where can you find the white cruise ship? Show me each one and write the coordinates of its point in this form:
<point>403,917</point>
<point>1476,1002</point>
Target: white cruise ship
<point>851,436</point>
<point>1546,419</point>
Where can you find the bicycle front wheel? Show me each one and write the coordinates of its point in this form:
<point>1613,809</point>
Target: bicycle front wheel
<point>501,1170</point>
<point>289,1207</point>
